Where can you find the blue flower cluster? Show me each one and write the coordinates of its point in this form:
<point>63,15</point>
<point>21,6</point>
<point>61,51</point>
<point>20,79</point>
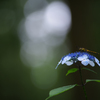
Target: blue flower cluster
<point>84,57</point>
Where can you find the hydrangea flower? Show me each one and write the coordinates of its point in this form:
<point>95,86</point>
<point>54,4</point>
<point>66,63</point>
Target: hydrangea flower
<point>84,57</point>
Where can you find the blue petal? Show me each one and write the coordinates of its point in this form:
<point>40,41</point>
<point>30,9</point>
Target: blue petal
<point>58,64</point>
<point>97,61</point>
<point>67,58</point>
<point>68,63</point>
<point>92,63</point>
<point>83,57</point>
<point>85,62</point>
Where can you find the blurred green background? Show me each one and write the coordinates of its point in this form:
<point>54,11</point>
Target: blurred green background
<point>34,35</point>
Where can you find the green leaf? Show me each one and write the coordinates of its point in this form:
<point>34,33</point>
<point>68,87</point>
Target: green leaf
<point>71,71</point>
<point>90,80</point>
<point>60,90</point>
<point>89,70</point>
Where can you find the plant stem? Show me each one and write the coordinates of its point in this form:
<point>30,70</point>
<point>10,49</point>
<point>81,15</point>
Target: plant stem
<point>82,82</point>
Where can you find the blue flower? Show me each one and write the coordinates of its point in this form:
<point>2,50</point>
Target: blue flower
<point>84,57</point>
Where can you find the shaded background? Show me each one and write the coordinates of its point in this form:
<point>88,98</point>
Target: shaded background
<point>34,35</point>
